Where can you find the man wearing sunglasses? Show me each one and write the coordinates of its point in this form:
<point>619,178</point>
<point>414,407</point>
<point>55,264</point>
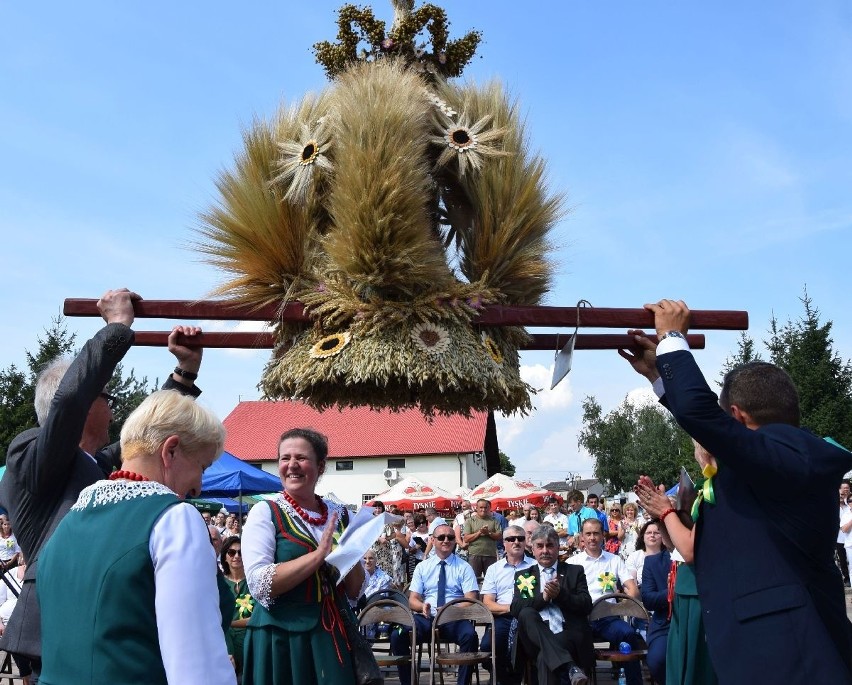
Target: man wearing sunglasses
<point>497,591</point>
<point>48,466</point>
<point>436,581</point>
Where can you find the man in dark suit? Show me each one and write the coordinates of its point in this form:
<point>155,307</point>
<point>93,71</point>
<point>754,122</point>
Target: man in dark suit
<point>48,466</point>
<point>771,594</point>
<point>655,597</point>
<point>552,605</point>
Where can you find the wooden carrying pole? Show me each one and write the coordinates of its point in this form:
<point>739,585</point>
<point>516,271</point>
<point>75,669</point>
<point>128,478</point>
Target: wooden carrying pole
<point>495,315</point>
<point>260,340</point>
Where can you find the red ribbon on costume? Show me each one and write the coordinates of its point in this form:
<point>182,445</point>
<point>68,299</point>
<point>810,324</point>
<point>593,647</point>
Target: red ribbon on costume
<point>332,619</point>
<point>671,586</point>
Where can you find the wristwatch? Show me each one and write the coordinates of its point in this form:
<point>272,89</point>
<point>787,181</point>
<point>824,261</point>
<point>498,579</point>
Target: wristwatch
<point>672,334</point>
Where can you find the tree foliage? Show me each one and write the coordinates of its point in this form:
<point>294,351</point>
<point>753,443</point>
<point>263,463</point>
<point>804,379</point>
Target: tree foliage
<point>745,353</point>
<point>507,468</point>
<point>17,386</point>
<point>804,349</point>
<point>634,440</point>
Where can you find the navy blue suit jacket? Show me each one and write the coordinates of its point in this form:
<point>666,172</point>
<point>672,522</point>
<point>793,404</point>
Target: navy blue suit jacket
<point>771,595</point>
<point>655,593</point>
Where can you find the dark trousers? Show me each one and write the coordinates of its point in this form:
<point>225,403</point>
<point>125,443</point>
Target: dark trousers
<point>480,563</point>
<point>554,653</point>
<point>842,560</point>
<point>657,657</point>
<point>505,673</point>
<point>458,632</point>
<point>615,630</point>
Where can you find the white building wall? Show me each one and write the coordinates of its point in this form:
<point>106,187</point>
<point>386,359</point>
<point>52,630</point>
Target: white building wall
<point>445,471</point>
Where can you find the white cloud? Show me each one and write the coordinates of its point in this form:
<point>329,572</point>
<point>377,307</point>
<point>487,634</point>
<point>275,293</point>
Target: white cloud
<point>539,377</point>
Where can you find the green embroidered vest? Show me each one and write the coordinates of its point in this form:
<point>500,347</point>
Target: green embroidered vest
<point>96,589</point>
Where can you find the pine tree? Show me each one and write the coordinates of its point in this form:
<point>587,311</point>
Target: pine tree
<point>745,353</point>
<point>804,349</point>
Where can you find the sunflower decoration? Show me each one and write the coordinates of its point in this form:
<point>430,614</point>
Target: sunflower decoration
<point>394,206</point>
<point>470,144</point>
<point>330,345</point>
<point>431,338</point>
<point>526,585</point>
<point>303,159</point>
<point>607,580</point>
<point>492,348</point>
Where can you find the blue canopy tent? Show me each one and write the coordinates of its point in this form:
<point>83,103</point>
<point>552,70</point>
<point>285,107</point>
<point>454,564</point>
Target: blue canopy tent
<point>231,505</point>
<point>231,477</point>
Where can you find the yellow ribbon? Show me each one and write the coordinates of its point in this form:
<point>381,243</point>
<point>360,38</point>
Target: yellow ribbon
<point>607,581</point>
<point>706,492</point>
<point>246,606</point>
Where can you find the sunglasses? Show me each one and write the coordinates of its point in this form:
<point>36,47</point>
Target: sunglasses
<point>514,538</point>
<point>111,400</point>
<point>445,538</point>
<point>234,552</point>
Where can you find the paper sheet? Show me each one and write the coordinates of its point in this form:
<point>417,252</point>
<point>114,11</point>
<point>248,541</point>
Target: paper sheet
<point>363,530</point>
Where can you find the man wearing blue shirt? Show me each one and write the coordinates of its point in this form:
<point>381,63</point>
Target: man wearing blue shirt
<point>436,581</point>
<point>498,587</point>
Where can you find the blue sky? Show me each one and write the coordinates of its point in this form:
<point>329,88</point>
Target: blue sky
<point>704,150</point>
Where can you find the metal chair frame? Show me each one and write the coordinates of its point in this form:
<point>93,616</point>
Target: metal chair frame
<point>461,609</point>
<point>393,612</point>
<point>624,607</point>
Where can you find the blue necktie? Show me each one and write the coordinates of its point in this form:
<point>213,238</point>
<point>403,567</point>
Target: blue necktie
<point>442,585</point>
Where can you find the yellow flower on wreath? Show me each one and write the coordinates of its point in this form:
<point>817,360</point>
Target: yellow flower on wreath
<point>330,345</point>
<point>492,349</point>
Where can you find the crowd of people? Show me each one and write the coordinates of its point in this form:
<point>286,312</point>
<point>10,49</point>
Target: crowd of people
<point>739,586</point>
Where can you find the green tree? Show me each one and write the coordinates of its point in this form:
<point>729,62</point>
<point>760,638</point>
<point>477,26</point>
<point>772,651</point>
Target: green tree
<point>507,468</point>
<point>634,440</point>
<point>745,353</point>
<point>17,387</point>
<point>804,349</point>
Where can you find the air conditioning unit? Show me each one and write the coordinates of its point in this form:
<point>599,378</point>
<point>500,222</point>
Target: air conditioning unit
<point>391,474</point>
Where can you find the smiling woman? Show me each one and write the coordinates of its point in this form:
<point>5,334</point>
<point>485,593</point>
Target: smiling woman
<point>296,633</point>
<point>147,569</point>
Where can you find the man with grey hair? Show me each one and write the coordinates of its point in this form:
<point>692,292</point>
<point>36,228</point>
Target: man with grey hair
<point>48,466</point>
<point>497,591</point>
<point>530,527</point>
<point>552,603</point>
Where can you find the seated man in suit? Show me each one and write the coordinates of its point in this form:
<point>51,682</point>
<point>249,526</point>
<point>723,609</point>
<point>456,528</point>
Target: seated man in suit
<point>498,588</point>
<point>436,581</point>
<point>552,603</point>
<point>604,572</point>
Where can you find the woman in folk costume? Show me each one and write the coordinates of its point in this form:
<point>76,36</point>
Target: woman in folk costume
<point>138,603</point>
<point>687,657</point>
<point>296,633</point>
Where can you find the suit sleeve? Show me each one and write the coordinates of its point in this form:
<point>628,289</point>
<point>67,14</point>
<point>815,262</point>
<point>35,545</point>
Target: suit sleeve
<point>752,454</point>
<point>655,595</point>
<point>574,597</point>
<point>59,437</point>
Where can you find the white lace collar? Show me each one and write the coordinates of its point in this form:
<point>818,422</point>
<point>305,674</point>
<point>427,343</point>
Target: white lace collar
<point>113,491</point>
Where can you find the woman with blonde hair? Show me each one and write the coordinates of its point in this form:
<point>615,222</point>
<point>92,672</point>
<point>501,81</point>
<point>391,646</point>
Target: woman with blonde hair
<point>141,593</point>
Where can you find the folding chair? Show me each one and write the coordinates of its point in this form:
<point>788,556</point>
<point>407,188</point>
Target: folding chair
<point>393,612</point>
<point>461,609</point>
<point>624,606</point>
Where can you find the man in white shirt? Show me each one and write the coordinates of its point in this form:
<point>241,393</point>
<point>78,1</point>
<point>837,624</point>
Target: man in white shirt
<point>498,587</point>
<point>845,532</point>
<point>559,521</point>
<point>604,573</point>
<point>436,581</point>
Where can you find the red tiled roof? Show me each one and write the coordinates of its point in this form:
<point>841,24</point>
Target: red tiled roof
<point>254,428</point>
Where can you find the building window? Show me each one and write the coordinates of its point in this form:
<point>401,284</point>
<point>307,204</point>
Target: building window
<point>343,464</point>
<point>367,498</point>
<point>396,463</point>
